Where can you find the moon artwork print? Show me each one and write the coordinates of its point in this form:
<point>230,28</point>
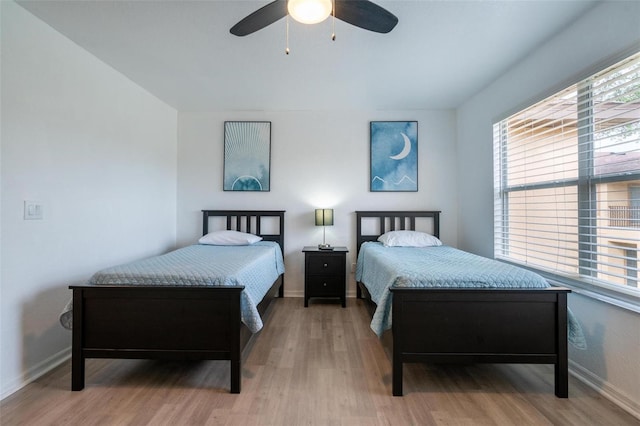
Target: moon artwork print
<point>247,155</point>
<point>394,156</point>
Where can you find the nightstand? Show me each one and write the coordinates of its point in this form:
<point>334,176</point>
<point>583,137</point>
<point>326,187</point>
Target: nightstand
<point>325,273</point>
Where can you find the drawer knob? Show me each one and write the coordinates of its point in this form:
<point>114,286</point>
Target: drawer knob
<point>325,265</point>
<point>324,284</point>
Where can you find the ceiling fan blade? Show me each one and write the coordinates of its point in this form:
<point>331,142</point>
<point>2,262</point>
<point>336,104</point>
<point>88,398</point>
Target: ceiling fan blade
<point>365,14</point>
<point>259,19</point>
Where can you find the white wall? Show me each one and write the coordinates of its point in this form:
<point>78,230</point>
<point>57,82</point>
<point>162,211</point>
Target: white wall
<point>611,362</point>
<point>100,154</point>
<point>318,159</point>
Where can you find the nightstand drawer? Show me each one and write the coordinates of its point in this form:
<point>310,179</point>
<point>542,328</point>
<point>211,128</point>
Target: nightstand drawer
<point>320,285</point>
<point>326,265</point>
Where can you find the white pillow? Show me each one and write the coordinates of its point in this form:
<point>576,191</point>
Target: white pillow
<point>408,239</point>
<point>229,238</point>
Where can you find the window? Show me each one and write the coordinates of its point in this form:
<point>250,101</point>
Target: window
<point>567,183</point>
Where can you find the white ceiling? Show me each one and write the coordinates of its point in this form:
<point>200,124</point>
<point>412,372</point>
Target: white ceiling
<point>440,53</point>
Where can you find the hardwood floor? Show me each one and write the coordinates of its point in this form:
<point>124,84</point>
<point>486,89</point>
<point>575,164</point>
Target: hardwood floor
<point>320,365</point>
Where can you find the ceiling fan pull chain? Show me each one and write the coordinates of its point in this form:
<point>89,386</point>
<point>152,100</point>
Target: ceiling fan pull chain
<point>333,21</point>
<point>287,47</point>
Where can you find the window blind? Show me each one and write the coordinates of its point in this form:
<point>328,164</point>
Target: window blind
<point>567,181</point>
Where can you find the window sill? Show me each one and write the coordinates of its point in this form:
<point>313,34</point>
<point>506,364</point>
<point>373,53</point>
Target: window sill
<point>623,301</point>
<point>619,299</point>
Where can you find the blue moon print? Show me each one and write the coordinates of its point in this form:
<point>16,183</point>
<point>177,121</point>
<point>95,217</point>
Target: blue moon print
<point>394,156</point>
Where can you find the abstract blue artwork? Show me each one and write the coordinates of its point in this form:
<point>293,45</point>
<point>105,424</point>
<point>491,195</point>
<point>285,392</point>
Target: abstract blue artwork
<point>247,155</point>
<point>394,156</point>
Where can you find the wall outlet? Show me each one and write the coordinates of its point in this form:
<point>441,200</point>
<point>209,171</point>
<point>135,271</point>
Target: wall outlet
<point>353,268</point>
<point>33,210</point>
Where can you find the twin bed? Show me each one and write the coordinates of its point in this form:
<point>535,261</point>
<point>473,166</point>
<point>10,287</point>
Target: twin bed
<point>201,302</point>
<point>485,312</point>
<point>449,306</point>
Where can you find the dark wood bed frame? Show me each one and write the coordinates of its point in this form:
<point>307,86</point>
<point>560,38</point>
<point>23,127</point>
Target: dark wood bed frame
<point>169,322</point>
<point>471,325</point>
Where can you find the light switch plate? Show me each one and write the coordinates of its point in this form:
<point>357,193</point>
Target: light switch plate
<point>33,210</point>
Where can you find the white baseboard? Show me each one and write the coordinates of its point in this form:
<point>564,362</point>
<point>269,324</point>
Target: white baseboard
<point>605,389</point>
<point>35,372</point>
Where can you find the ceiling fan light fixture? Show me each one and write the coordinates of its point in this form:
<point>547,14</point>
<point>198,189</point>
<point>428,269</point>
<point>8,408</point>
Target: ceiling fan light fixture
<point>309,11</point>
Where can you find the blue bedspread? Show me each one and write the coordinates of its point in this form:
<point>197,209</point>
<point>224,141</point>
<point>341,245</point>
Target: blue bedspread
<point>255,266</point>
<point>379,268</point>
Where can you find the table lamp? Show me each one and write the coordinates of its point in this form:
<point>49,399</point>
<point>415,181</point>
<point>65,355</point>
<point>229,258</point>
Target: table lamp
<point>324,218</point>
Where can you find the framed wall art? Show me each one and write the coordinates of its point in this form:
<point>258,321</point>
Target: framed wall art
<point>247,155</point>
<point>394,156</point>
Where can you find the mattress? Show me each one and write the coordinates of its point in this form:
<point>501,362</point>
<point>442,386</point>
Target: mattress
<point>255,266</point>
<point>379,268</point>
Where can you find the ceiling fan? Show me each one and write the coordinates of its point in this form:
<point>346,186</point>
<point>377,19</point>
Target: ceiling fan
<point>361,13</point>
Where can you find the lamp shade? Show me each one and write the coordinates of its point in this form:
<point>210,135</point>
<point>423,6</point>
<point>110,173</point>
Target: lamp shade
<point>324,217</point>
<point>309,11</point>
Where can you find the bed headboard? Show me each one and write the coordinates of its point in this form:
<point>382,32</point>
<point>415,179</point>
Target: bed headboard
<point>385,221</point>
<point>247,221</point>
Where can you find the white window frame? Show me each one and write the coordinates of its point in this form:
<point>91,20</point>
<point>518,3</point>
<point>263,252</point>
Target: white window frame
<point>628,298</point>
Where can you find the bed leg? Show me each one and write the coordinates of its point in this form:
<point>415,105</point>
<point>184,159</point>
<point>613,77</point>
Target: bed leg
<point>396,377</point>
<point>281,289</point>
<point>77,357</point>
<point>236,351</point>
<point>398,343</point>
<point>77,373</point>
<point>561,367</point>
<point>562,380</point>
<point>236,371</point>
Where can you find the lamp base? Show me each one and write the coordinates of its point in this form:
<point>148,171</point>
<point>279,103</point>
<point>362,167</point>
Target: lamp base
<point>325,247</point>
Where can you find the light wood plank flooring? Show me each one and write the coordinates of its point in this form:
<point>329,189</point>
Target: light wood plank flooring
<point>316,366</point>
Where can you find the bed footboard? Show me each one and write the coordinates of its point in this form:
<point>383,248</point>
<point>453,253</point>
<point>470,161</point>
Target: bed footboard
<point>481,326</point>
<point>189,323</point>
